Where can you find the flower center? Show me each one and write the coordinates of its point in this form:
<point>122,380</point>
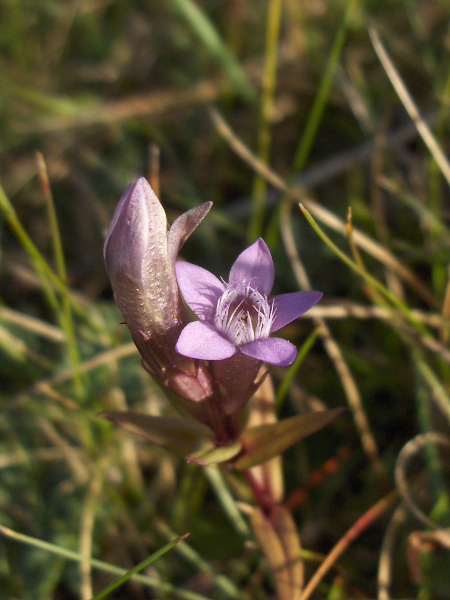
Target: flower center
<point>243,315</point>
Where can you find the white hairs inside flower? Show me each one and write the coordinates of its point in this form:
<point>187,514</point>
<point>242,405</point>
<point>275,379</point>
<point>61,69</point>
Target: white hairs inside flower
<point>244,315</point>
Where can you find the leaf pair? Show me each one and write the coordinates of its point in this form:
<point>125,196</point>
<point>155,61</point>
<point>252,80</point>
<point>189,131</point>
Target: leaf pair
<point>196,441</point>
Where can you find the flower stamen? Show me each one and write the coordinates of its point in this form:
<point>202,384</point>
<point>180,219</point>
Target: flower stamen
<point>251,315</point>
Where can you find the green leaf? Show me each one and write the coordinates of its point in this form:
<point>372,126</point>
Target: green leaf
<point>262,443</point>
<point>177,435</point>
<point>212,455</point>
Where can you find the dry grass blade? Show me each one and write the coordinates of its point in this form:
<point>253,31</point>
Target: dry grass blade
<point>32,324</point>
<point>80,467</point>
<point>90,507</point>
<point>352,310</point>
<point>352,534</point>
<point>334,352</point>
<point>133,106</point>
<point>408,452</point>
<point>100,360</point>
<point>385,565</point>
<point>322,214</point>
<point>410,105</point>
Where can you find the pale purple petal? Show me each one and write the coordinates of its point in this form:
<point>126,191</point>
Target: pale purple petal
<point>200,288</point>
<point>255,267</point>
<point>183,227</point>
<point>129,224</point>
<point>118,212</point>
<point>202,341</point>
<point>291,306</point>
<point>274,351</point>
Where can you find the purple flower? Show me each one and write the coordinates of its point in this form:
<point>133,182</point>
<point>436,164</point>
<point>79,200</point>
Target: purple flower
<point>238,316</point>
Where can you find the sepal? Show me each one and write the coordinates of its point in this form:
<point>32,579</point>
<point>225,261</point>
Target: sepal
<point>210,454</point>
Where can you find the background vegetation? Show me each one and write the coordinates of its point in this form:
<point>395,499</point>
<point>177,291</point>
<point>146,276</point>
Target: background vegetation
<point>256,105</point>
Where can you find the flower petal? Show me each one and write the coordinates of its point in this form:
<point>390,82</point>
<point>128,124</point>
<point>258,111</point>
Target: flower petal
<point>274,351</point>
<point>124,200</point>
<point>291,306</point>
<point>183,227</point>
<point>200,288</point>
<point>255,267</point>
<point>201,340</point>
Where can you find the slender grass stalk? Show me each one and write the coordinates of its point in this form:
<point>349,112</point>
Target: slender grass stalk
<point>388,553</point>
<point>334,352</point>
<point>150,582</point>
<point>372,281</point>
<point>410,106</point>
<point>273,26</point>
<point>64,315</point>
<point>42,268</point>
<point>439,271</point>
<point>438,393</point>
<point>427,339</point>
<point>32,325</point>
<point>432,462</point>
<point>140,567</point>
<point>434,223</point>
<point>49,279</point>
<point>375,249</point>
<point>223,582</point>
<point>227,501</point>
<point>206,32</point>
<point>431,391</point>
<point>353,247</point>
<point>58,253</point>
<point>304,148</point>
<point>87,522</point>
<point>427,442</point>
<point>315,116</point>
<point>350,536</point>
<point>374,294</point>
<point>285,384</point>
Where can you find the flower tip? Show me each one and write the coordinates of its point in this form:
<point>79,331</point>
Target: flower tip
<point>254,267</point>
<point>120,208</point>
<point>318,295</point>
<point>142,186</point>
<point>262,243</point>
<point>259,246</point>
<point>144,194</point>
<point>139,224</point>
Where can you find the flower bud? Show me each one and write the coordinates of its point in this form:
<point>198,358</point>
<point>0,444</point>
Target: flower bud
<point>140,252</point>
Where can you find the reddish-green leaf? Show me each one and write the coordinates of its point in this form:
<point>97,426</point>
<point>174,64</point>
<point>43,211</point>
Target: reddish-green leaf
<point>265,442</point>
<point>177,435</point>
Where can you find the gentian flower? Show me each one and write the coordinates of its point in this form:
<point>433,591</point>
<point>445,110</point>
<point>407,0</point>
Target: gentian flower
<point>237,317</point>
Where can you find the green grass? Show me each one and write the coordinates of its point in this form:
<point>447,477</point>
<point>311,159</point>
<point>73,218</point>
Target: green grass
<point>298,90</point>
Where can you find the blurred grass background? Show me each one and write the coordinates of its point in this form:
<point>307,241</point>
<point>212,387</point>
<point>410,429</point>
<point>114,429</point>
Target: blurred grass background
<point>86,88</point>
